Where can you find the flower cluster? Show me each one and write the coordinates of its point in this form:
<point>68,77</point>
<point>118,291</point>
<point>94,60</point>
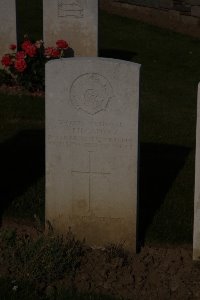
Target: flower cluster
<point>26,66</point>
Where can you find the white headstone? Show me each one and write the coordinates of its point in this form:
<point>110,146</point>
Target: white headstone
<point>73,20</point>
<point>92,109</point>
<point>8,33</point>
<point>196,236</point>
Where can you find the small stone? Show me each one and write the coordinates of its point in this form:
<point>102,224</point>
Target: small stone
<point>15,288</point>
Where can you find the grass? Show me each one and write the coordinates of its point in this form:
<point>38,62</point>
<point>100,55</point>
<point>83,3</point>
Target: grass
<point>169,76</point>
<point>26,290</point>
<point>43,259</point>
<point>22,156</point>
<point>32,266</point>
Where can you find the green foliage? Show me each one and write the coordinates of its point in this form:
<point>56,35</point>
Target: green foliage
<point>33,78</point>
<point>5,78</point>
<point>118,251</point>
<point>15,290</point>
<point>46,258</point>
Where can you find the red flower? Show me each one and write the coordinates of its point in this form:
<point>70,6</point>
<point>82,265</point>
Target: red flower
<point>62,44</point>
<point>31,50</point>
<point>6,60</point>
<point>26,44</point>
<point>20,55</point>
<point>55,53</point>
<point>51,52</point>
<point>48,51</point>
<point>12,47</point>
<point>20,65</point>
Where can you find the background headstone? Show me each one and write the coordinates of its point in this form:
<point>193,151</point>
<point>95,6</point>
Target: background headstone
<point>92,148</point>
<point>73,20</point>
<point>196,236</point>
<point>8,33</point>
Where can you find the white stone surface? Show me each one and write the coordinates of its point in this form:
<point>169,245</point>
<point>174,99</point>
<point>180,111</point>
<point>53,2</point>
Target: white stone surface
<point>73,20</point>
<point>196,235</point>
<point>7,26</point>
<point>92,109</point>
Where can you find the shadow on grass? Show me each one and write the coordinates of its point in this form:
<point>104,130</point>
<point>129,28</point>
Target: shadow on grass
<point>22,161</point>
<point>117,54</point>
<point>159,166</point>
<point>29,15</point>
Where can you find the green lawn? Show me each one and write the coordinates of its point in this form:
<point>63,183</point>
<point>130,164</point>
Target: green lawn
<point>169,76</point>
<point>22,156</point>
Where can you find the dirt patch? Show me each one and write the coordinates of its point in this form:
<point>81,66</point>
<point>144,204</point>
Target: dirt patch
<point>155,273</point>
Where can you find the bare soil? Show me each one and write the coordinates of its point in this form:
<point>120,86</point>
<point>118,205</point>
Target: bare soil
<point>157,272</point>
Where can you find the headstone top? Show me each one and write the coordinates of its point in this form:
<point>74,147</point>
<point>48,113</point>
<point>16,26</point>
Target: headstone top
<point>93,59</point>
<point>75,21</point>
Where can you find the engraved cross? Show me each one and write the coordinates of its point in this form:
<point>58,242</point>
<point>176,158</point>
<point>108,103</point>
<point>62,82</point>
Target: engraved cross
<point>89,172</point>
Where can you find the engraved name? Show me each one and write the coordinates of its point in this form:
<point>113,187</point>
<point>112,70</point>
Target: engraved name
<point>121,142</point>
<point>94,218</point>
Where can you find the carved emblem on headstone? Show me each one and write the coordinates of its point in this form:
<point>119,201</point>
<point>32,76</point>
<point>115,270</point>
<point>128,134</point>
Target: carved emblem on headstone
<point>70,8</point>
<point>91,93</point>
